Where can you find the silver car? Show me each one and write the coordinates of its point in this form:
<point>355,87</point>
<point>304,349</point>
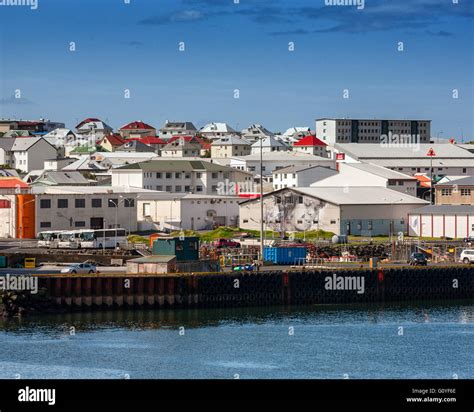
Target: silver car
<point>80,268</point>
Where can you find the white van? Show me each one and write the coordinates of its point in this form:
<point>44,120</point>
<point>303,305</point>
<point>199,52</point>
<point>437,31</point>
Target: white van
<point>467,256</point>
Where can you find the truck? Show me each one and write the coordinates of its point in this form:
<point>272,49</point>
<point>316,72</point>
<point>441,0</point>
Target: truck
<point>225,243</point>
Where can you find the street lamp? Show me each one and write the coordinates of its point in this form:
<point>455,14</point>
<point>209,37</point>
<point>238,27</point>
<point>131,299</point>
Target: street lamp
<point>261,201</point>
<point>116,205</point>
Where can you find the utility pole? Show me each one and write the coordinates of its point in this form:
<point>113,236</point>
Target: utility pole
<point>261,201</point>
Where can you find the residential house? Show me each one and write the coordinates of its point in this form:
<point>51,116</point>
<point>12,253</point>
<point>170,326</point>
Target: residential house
<point>94,126</point>
<point>230,146</point>
<point>255,132</point>
<point>311,144</point>
<point>171,129</point>
<point>27,153</point>
<point>213,131</point>
<point>137,129</point>
<point>300,176</point>
<point>111,142</point>
<point>182,146</point>
<point>135,146</point>
<point>268,144</point>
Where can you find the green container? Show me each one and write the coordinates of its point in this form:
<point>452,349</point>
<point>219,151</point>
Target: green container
<point>3,261</point>
<point>185,249</point>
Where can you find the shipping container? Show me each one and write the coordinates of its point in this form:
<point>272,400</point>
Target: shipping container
<point>285,255</point>
<point>185,249</point>
<point>3,261</point>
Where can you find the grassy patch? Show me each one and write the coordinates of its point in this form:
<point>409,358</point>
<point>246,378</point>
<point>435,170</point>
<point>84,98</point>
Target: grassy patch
<point>314,234</point>
<point>138,239</point>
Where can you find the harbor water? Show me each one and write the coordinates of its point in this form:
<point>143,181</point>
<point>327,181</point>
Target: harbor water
<point>418,340</point>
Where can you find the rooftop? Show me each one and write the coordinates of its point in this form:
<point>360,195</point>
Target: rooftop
<point>361,195</point>
<point>217,128</point>
<point>138,124</point>
<point>378,170</point>
<point>310,140</point>
<point>401,151</point>
<point>233,140</point>
<point>159,165</point>
<point>445,209</point>
<point>466,181</point>
<point>12,183</point>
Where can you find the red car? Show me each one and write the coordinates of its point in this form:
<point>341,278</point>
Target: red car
<point>225,243</point>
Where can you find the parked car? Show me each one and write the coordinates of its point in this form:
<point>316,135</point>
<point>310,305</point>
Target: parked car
<point>469,239</point>
<point>80,268</point>
<point>226,243</point>
<point>243,268</point>
<point>467,256</point>
<point>418,258</point>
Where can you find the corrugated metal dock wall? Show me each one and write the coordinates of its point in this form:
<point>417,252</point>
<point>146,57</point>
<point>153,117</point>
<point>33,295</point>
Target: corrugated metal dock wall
<point>257,289</point>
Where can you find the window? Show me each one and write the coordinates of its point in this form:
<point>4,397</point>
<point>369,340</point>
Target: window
<point>177,188</point>
<point>332,222</point>
<point>246,220</point>
<point>129,202</point>
<point>5,204</point>
<point>113,202</point>
<point>62,203</point>
<point>169,188</point>
<point>80,203</point>
<point>158,175</point>
<point>215,175</point>
<point>159,188</point>
<point>187,188</point>
<point>465,192</point>
<point>168,175</point>
<point>198,188</point>
<point>315,222</point>
<point>45,203</point>
<point>446,192</point>
<point>96,202</point>
<point>369,225</point>
<point>80,223</point>
<point>214,189</point>
<point>177,175</point>
<point>198,175</point>
<point>45,224</point>
<point>187,175</point>
<point>300,200</point>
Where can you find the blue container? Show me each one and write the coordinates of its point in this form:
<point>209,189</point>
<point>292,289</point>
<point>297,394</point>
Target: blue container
<point>285,255</point>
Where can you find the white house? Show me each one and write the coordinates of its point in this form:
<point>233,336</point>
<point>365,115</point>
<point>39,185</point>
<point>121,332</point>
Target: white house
<point>269,144</point>
<point>171,129</point>
<point>255,132</point>
<point>183,211</point>
<point>293,134</point>
<point>442,221</point>
<point>30,153</point>
<point>300,176</point>
<point>95,127</point>
<point>216,130</point>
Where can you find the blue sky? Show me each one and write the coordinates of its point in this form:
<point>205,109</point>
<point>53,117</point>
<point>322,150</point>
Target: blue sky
<point>239,46</point>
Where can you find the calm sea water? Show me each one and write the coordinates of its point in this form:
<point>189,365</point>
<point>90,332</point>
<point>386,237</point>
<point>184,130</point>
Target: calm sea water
<point>409,341</point>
